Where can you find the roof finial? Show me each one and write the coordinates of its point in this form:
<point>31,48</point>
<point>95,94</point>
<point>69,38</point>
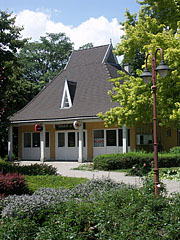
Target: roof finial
<point>111,40</point>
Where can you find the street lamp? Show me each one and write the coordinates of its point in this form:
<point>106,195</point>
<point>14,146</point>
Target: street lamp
<point>162,69</point>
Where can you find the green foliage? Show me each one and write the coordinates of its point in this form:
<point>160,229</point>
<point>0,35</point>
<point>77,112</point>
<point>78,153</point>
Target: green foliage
<point>18,229</point>
<point>36,182</point>
<point>143,35</point>
<point>12,86</point>
<point>172,173</point>
<point>43,60</point>
<point>119,212</point>
<point>86,46</point>
<point>33,169</point>
<point>140,162</point>
<point>175,150</point>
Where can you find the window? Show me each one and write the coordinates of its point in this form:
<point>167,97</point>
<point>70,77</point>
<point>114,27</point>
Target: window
<point>36,140</point>
<point>110,137</point>
<point>27,140</point>
<point>66,101</point>
<point>98,138</point>
<point>71,139</point>
<point>47,139</point>
<point>61,139</point>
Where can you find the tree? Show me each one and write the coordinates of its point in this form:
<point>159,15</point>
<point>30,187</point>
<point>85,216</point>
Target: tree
<point>134,97</point>
<point>87,46</point>
<point>43,60</point>
<point>11,81</point>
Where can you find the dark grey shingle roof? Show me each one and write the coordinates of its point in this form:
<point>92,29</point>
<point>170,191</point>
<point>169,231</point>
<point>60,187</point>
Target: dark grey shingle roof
<point>87,69</point>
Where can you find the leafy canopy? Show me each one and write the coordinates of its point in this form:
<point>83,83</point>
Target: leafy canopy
<point>43,60</point>
<point>145,34</point>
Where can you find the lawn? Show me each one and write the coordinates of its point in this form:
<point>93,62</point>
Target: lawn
<point>52,181</point>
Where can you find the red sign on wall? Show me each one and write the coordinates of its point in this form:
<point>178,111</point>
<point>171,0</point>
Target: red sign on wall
<point>38,128</point>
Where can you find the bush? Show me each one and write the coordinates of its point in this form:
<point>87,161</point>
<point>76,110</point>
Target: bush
<point>12,183</point>
<point>33,169</point>
<point>99,209</point>
<point>137,159</point>
<point>175,150</point>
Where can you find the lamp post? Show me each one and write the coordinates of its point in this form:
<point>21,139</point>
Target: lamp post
<point>162,69</point>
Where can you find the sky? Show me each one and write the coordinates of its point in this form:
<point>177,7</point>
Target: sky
<point>96,21</point>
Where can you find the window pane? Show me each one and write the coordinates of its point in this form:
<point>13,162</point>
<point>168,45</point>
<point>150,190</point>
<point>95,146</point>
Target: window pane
<point>36,139</point>
<point>120,137</point>
<point>47,139</point>
<point>98,138</point>
<point>111,137</point>
<point>71,139</point>
<point>27,140</point>
<point>61,140</point>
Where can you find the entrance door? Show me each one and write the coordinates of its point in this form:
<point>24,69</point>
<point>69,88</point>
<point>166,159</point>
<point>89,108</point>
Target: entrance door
<point>67,148</point>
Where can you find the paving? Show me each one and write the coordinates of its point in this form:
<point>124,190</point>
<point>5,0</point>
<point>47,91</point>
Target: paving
<point>66,169</point>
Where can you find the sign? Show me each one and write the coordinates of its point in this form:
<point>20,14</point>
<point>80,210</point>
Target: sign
<point>38,128</point>
<point>64,127</point>
<point>76,124</point>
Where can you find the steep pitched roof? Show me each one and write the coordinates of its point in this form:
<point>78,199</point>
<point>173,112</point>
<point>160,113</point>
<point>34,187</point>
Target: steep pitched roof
<point>90,70</point>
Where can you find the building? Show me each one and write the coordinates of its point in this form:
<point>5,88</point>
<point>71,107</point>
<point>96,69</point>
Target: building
<point>61,122</point>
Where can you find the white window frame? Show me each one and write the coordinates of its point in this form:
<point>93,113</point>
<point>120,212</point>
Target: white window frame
<point>66,93</point>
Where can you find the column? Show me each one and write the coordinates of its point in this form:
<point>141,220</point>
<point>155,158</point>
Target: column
<point>42,145</point>
<point>10,143</point>
<point>80,157</point>
<point>125,142</point>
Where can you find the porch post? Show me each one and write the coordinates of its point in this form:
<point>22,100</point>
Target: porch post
<point>80,157</point>
<point>42,145</point>
<point>10,142</point>
<point>125,144</point>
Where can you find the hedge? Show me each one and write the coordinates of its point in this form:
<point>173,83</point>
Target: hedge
<point>128,160</point>
<point>33,169</point>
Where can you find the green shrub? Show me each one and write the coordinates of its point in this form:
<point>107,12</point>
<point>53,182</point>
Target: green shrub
<point>33,169</point>
<point>137,159</point>
<point>175,150</point>
<point>18,229</point>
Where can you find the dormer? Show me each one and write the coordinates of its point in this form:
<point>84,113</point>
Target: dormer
<point>68,94</point>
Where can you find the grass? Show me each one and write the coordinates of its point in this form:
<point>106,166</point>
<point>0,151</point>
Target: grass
<point>85,167</point>
<point>52,181</point>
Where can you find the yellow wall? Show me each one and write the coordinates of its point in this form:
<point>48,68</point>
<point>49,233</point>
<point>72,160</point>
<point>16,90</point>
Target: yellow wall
<point>167,141</point>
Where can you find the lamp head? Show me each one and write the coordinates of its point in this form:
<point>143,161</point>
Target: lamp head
<point>146,75</point>
<point>163,69</point>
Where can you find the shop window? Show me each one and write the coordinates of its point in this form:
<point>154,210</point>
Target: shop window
<point>98,138</point>
<point>36,140</point>
<point>47,139</point>
<point>61,139</point>
<point>27,140</point>
<point>71,139</point>
<point>111,138</point>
